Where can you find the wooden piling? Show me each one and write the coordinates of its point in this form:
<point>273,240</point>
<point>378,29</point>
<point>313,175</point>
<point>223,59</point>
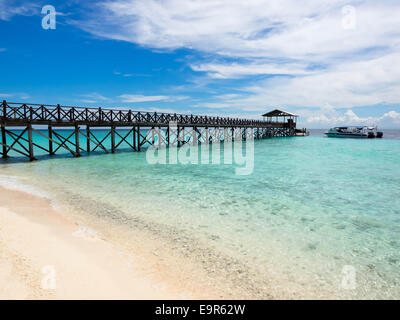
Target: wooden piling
<point>77,148</point>
<point>138,138</point>
<point>88,139</point>
<point>112,139</point>
<point>50,133</point>
<point>134,138</point>
<point>168,134</point>
<point>4,141</point>
<point>159,137</point>
<point>30,143</point>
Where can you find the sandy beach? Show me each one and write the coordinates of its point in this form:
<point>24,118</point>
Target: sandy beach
<point>43,255</point>
<point>54,249</point>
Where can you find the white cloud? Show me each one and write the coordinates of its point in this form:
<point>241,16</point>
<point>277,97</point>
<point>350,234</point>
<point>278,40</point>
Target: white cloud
<point>141,98</point>
<point>325,62</point>
<point>93,97</point>
<point>308,30</point>
<point>325,118</point>
<point>133,98</point>
<point>8,9</point>
<point>215,105</point>
<point>237,70</point>
<point>227,96</point>
<point>3,49</point>
<point>19,95</point>
<point>178,98</point>
<point>167,110</point>
<point>346,85</point>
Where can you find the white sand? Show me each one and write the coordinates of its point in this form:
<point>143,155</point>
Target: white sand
<point>36,241</point>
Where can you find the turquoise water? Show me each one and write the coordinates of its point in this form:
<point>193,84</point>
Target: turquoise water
<point>313,208</point>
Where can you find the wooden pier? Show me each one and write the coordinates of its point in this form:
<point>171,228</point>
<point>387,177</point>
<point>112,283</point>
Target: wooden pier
<point>177,129</point>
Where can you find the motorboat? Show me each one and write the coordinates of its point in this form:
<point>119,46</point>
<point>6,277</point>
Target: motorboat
<point>354,132</point>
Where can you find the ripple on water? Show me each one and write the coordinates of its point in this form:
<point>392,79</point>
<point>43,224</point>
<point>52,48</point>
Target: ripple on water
<point>301,213</point>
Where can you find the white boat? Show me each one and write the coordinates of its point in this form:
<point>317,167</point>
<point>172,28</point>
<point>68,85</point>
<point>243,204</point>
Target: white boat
<point>354,132</point>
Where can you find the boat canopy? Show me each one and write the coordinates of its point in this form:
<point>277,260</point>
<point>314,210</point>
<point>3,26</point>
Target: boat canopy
<point>358,127</point>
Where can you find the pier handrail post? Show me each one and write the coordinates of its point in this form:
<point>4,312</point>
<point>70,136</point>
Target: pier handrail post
<point>58,112</point>
<point>43,112</point>
<point>100,114</point>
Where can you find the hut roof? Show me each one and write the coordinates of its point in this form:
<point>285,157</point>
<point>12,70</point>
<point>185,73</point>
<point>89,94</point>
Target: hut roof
<point>279,113</point>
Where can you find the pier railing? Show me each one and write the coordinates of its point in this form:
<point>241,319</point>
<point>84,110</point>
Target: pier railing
<point>46,114</point>
<point>173,129</point>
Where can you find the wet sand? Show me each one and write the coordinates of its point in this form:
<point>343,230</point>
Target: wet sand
<point>44,255</point>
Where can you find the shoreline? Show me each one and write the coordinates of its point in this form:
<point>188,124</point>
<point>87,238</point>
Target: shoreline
<point>151,260</point>
<point>37,242</point>
<point>163,268</point>
<point>103,251</point>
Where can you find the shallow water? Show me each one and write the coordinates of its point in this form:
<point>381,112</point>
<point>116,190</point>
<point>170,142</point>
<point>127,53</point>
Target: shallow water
<point>321,213</point>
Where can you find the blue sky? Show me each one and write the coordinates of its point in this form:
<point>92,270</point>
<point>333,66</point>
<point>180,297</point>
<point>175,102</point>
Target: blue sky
<point>332,62</point>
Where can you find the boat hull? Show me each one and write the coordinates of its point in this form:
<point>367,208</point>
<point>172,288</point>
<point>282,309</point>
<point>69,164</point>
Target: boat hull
<point>346,135</point>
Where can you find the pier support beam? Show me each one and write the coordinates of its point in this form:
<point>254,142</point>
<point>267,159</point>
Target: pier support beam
<point>4,141</point>
<point>77,149</point>
<point>88,139</point>
<point>168,134</point>
<point>30,143</point>
<point>134,138</point>
<point>159,137</point>
<point>50,133</point>
<point>112,139</point>
<point>152,137</point>
<point>138,138</point>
